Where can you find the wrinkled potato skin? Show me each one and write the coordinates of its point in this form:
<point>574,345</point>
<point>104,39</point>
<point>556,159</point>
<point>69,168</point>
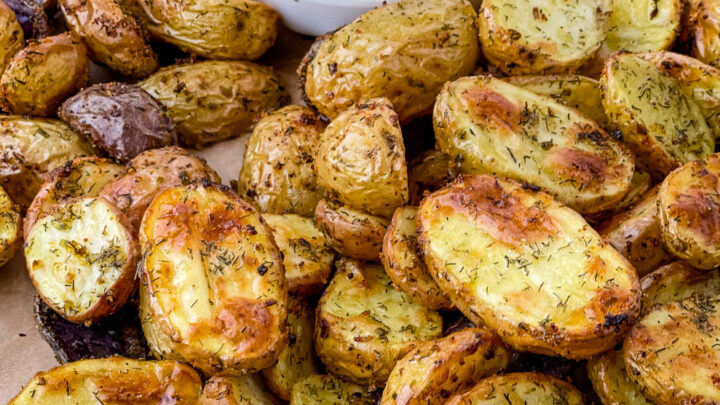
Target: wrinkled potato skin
<point>12,39</point>
<point>428,172</point>
<point>245,389</point>
<point>11,235</point>
<point>214,100</point>
<point>403,51</point>
<point>351,233</point>
<point>43,75</point>
<point>277,172</point>
<point>112,38</point>
<point>608,374</point>
<point>330,390</point>
<point>675,282</point>
<point>519,388</point>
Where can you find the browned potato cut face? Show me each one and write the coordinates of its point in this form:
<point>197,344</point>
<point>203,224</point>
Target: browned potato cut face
<point>330,390</point>
<point>404,266</point>
<point>82,259</point>
<point>351,233</point>
<point>609,378</point>
<point>702,26</point>
<point>451,364</point>
<point>12,39</point>
<point>527,267</point>
<point>113,380</point>
<point>675,282</point>
<point>212,286</point>
<point>520,388</point>
<point>428,172</point>
<point>364,326</point>
<point>236,390</point>
<point>10,228</point>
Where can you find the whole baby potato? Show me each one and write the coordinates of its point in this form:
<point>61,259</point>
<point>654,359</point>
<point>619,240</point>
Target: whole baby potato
<point>11,35</point>
<point>31,16</point>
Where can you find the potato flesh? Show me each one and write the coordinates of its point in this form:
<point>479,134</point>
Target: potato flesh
<point>10,230</point>
<point>11,35</point>
<point>329,390</point>
<point>642,26</point>
<point>236,390</point>
<point>520,388</point>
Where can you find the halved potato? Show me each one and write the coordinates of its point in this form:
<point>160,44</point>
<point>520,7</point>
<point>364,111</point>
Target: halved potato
<point>363,325</point>
<point>702,27</point>
<point>520,388</point>
<point>351,233</point>
<point>428,172</point>
<point>10,228</point>
<point>236,390</point>
<point>672,355</point>
<point>12,39</point>
<point>330,390</point>
<point>659,120</point>
<point>610,381</point>
<point>113,380</point>
<point>527,267</point>
<point>490,126</point>
<point>451,364</point>
<point>213,288</point>
<point>307,256</point>
<point>540,36</point>
<point>404,266</point>
<point>675,282</point>
<point>82,259</point>
<point>641,182</point>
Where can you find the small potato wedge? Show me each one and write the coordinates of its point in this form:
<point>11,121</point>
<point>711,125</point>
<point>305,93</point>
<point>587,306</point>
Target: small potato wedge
<point>214,100</point>
<point>451,364</point>
<point>675,282</point>
<point>428,172</point>
<point>277,171</point>
<point>527,267</point>
<point>639,186</point>
<point>609,377</point>
<point>12,39</point>
<point>541,37</point>
<point>351,233</point>
<point>43,74</point>
<point>703,30</point>
<point>363,325</point>
<point>212,289</point>
<point>307,256</point>
<point>113,380</point>
<point>520,388</point>
<point>490,126</point>
<point>360,159</point>
<point>236,390</point>
<point>82,259</point>
<point>330,390</point>
<point>404,266</point>
<point>10,228</point>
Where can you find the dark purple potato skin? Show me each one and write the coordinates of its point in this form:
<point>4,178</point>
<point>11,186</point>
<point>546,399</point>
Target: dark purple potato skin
<point>31,16</point>
<point>121,119</point>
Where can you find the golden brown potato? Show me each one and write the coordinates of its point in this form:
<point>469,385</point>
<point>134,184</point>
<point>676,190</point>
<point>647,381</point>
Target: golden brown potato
<point>403,51</point>
<point>330,390</point>
<point>360,159</point>
<point>451,364</point>
<point>527,267</point>
<point>212,289</point>
<point>43,74</point>
<point>702,24</point>
<point>639,186</point>
<point>364,326</point>
<point>404,266</point>
<point>152,172</point>
<point>214,29</point>
<point>12,39</point>
<point>236,390</point>
<point>214,100</point>
<point>82,259</point>
<point>112,38</point>
<point>307,256</point>
<point>675,282</point>
<point>490,126</point>
<point>608,374</point>
<point>10,228</point>
<point>519,388</point>
<point>428,172</point>
<point>113,380</point>
<point>540,36</point>
<point>277,172</point>
<point>659,121</point>
<point>297,361</point>
<point>351,233</point>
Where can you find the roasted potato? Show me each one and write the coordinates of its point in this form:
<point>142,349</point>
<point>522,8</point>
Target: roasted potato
<point>490,126</point>
<point>659,121</point>
<point>277,172</point>
<point>330,390</point>
<point>30,148</point>
<point>297,361</point>
<point>522,264</point>
<point>703,30</point>
<point>351,233</point>
<point>404,266</point>
<point>39,77</point>
<point>609,377</point>
<point>642,26</point>
<point>360,159</point>
<point>236,390</point>
<point>31,16</point>
<point>215,100</point>
<point>639,186</point>
<point>363,326</point>
<point>152,172</point>
<point>112,37</point>
<point>671,353</point>
<point>675,282</point>
<point>428,172</point>
<point>307,256</point>
<point>451,364</point>
<point>540,37</point>
<point>10,228</point>
<point>12,39</point>
<point>403,51</point>
<point>113,380</point>
<point>212,287</point>
<point>80,177</point>
<point>520,388</point>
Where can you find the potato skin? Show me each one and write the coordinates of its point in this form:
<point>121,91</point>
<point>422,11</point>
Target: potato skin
<point>403,51</point>
<point>11,236</point>
<point>236,390</point>
<point>702,24</point>
<point>330,390</point>
<point>43,74</point>
<point>112,38</point>
<point>351,233</point>
<point>675,282</point>
<point>277,172</point>
<point>32,17</point>
<point>12,39</point>
<point>113,380</point>
<point>428,172</point>
<point>214,100</point>
<point>608,374</point>
<point>363,325</point>
<point>450,364</point>
<point>519,388</point>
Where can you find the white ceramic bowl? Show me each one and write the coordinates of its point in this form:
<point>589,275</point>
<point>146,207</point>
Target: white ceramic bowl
<point>317,17</point>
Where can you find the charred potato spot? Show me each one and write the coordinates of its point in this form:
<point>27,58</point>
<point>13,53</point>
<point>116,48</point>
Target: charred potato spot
<point>364,326</point>
<point>428,172</point>
<point>351,233</point>
<point>81,259</point>
<point>329,390</point>
<point>520,388</point>
<point>676,282</point>
<point>10,228</point>
<point>213,290</point>
<point>236,390</point>
<point>12,39</point>
<point>609,377</point>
